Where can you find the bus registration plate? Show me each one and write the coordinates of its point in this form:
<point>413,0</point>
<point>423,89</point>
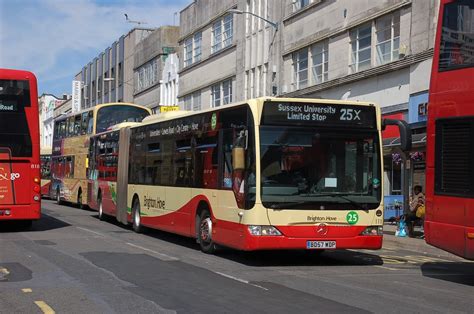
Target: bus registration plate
<point>320,244</point>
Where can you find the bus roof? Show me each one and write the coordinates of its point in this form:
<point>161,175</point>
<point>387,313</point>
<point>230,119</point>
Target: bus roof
<point>184,113</point>
<point>97,107</point>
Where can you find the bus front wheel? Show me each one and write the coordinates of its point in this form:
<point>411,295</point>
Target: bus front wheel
<point>58,197</point>
<point>136,219</point>
<point>79,200</point>
<point>205,233</point>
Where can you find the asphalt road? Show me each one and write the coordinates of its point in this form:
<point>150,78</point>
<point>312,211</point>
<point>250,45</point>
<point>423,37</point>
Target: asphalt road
<point>70,262</point>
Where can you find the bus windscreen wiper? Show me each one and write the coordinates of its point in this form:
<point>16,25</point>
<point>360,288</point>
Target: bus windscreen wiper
<point>344,197</point>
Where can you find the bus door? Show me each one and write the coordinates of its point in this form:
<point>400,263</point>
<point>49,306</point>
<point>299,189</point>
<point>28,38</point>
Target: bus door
<point>122,175</point>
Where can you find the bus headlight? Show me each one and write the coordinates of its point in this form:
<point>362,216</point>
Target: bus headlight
<point>263,231</point>
<point>373,230</point>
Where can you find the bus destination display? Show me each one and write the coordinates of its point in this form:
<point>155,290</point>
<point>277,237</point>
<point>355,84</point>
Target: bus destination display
<point>284,113</point>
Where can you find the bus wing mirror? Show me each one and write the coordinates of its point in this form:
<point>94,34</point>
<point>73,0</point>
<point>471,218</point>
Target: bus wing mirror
<point>405,132</point>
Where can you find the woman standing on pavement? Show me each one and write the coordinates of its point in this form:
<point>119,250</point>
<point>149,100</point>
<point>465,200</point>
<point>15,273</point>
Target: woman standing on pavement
<point>417,200</point>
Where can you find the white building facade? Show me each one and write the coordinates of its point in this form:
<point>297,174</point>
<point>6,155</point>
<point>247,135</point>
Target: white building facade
<point>169,85</point>
<point>47,104</point>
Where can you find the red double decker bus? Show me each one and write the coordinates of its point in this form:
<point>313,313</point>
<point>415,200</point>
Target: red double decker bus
<point>20,189</point>
<point>449,222</point>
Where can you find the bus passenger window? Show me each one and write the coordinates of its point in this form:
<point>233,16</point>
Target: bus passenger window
<point>90,123</point>
<point>84,123</point>
<point>77,125</point>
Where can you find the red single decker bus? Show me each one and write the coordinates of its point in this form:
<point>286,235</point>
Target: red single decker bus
<point>20,188</point>
<point>449,222</point>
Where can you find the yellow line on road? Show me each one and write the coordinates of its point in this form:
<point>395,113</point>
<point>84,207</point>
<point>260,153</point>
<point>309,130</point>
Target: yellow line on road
<point>27,290</point>
<point>45,307</point>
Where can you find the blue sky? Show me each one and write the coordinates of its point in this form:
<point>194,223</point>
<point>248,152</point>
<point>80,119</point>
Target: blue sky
<point>55,38</point>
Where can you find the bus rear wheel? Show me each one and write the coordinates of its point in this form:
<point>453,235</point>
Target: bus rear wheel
<point>101,209</point>
<point>136,219</point>
<point>205,233</point>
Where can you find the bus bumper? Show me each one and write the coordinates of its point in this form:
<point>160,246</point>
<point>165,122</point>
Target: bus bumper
<point>298,238</point>
<point>20,212</point>
<point>286,243</point>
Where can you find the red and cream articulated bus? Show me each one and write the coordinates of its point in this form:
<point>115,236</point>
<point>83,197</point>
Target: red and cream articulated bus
<point>20,189</point>
<point>71,146</point>
<point>449,222</point>
<point>268,173</point>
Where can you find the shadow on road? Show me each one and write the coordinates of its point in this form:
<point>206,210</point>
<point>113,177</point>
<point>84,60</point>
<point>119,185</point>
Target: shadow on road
<point>266,258</point>
<point>46,223</point>
<point>461,272</point>
<point>302,258</point>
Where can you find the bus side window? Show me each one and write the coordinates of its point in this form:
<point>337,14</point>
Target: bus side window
<point>84,123</point>
<point>70,131</point>
<point>77,125</point>
<point>62,130</point>
<point>90,122</point>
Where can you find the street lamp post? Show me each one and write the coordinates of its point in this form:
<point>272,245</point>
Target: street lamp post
<point>236,11</point>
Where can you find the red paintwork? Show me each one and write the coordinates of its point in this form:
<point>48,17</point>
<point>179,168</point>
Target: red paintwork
<point>45,189</point>
<point>237,236</point>
<point>448,219</point>
<point>392,130</point>
<point>24,206</point>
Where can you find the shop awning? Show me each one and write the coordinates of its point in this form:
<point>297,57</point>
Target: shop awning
<point>416,141</point>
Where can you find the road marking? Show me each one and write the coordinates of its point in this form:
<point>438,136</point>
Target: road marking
<point>91,231</point>
<point>384,267</point>
<point>164,256</point>
<point>27,290</point>
<point>240,280</point>
<point>45,307</point>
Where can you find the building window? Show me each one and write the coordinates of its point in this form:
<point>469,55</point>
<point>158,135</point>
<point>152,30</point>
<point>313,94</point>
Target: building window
<point>301,68</point>
<point>361,51</point>
<point>388,38</point>
<point>188,52</point>
<point>196,101</point>
<point>192,101</point>
<point>222,33</point>
<point>216,95</point>
<point>299,4</point>
<point>319,58</point>
<point>227,91</point>
<point>197,47</point>
<point>221,93</point>
<point>146,75</point>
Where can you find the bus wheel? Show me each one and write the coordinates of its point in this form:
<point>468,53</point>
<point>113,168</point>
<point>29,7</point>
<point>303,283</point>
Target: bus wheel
<point>58,197</point>
<point>205,233</point>
<point>101,209</point>
<point>79,200</point>
<point>136,219</point>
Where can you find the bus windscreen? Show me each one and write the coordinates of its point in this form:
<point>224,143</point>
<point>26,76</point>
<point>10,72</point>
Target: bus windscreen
<point>112,115</point>
<point>14,130</point>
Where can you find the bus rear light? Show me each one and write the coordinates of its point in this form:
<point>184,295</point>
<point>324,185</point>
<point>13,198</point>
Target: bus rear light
<point>264,231</point>
<point>372,231</point>
<point>5,212</point>
<point>37,189</point>
<point>36,198</point>
<point>37,180</point>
